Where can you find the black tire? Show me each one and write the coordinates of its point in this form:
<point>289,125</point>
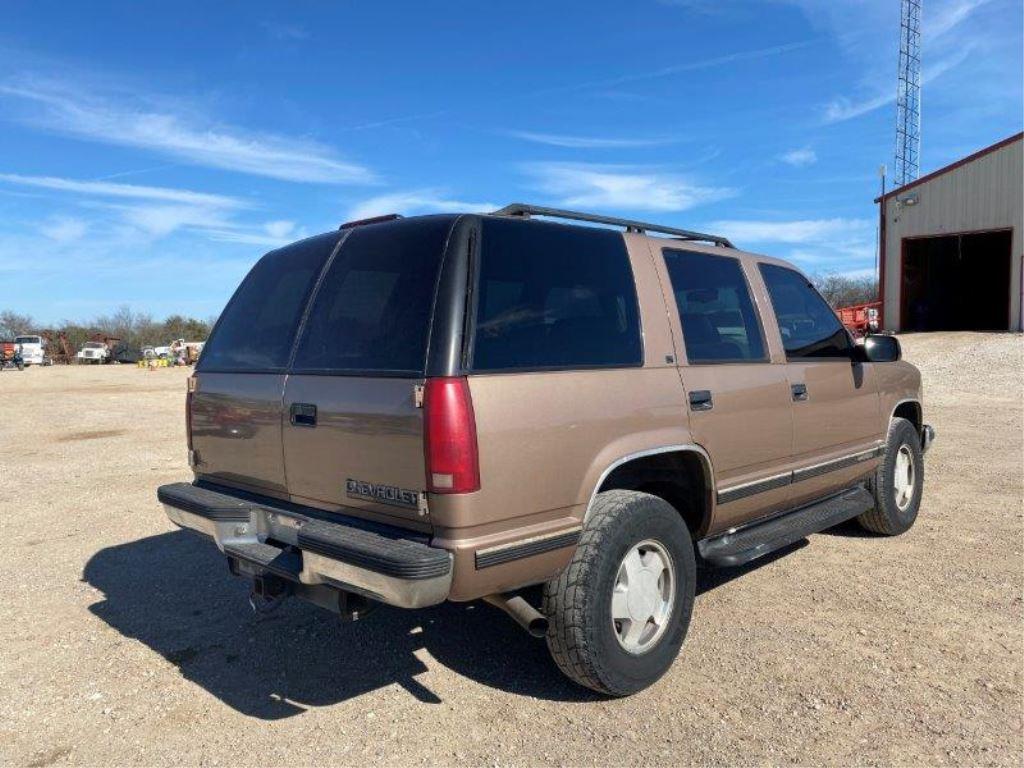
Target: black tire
<point>887,518</point>
<point>578,603</point>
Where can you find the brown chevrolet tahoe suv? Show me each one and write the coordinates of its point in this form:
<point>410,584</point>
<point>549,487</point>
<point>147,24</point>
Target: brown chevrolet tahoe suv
<point>457,407</point>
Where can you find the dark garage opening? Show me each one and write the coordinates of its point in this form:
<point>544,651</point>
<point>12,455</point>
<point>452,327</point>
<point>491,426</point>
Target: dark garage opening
<point>956,282</point>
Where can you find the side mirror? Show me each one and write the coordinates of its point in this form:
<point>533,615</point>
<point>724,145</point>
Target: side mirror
<point>880,349</point>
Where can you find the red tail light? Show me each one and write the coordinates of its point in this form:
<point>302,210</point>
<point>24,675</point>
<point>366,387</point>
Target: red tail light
<point>449,437</point>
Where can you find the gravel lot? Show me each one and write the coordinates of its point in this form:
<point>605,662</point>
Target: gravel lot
<point>125,641</point>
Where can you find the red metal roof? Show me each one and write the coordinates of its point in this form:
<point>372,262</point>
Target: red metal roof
<point>951,166</point>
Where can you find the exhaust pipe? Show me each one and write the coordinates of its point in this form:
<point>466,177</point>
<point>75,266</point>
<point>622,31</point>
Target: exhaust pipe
<point>526,616</point>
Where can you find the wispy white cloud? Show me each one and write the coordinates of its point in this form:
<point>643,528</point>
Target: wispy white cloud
<point>705,7</point>
<point>694,65</point>
<point>146,213</point>
<point>414,201</point>
<point>941,19</point>
<point>621,187</point>
<point>67,109</point>
<point>284,31</point>
<point>64,229</point>
<point>817,245</point>
<point>156,221</point>
<point>279,229</point>
<point>110,189</point>
<point>590,142</point>
<point>795,231</point>
<point>844,108</point>
<point>799,158</point>
<point>272,234</point>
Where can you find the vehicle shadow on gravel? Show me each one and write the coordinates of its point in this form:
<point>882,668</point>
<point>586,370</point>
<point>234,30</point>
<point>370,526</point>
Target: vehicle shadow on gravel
<point>173,593</point>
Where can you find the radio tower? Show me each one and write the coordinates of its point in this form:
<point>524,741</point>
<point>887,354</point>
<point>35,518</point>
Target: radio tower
<point>908,94</point>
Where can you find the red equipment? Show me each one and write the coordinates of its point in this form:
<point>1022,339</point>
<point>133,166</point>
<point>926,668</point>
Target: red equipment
<point>861,319</point>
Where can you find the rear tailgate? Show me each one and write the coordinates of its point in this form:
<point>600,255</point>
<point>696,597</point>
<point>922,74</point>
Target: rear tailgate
<point>352,434</point>
<point>366,450</point>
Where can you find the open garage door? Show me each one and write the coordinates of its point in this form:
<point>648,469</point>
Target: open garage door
<point>956,282</point>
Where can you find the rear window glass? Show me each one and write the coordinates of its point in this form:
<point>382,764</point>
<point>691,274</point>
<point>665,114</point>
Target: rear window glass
<point>552,296</point>
<point>718,317</point>
<point>258,326</point>
<point>372,311</point>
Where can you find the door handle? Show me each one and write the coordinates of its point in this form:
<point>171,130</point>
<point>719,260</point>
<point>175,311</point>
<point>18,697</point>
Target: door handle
<point>700,400</point>
<point>303,414</point>
<point>799,392</point>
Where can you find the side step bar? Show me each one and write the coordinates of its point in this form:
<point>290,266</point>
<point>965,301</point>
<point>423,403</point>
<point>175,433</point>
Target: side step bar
<point>740,546</point>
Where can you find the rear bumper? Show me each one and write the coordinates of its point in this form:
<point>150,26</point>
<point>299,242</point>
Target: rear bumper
<point>303,545</point>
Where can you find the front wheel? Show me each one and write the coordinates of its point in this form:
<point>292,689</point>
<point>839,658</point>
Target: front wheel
<point>620,610</point>
<point>898,482</point>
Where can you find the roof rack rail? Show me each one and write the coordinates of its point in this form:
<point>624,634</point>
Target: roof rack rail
<point>524,210</point>
<point>371,220</point>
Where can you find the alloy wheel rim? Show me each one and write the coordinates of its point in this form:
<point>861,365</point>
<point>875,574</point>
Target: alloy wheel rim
<point>903,477</point>
<point>642,596</point>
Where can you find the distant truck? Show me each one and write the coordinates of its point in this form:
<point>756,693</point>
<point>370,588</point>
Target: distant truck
<point>179,348</point>
<point>33,350</point>
<point>95,352</point>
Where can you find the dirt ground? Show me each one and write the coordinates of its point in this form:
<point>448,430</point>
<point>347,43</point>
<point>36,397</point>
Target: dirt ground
<point>124,640</point>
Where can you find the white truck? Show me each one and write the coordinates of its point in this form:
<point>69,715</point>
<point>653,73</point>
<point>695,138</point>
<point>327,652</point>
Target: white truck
<point>93,352</point>
<point>33,350</point>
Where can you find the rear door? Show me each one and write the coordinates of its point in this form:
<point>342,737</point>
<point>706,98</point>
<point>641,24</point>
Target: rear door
<point>236,405</point>
<point>352,433</point>
<point>738,397</point>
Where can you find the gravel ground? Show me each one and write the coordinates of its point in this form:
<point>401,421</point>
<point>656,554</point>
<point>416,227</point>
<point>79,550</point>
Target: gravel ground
<point>124,640</point>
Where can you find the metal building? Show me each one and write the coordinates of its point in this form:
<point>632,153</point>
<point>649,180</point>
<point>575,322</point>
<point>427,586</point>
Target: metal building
<point>951,247</point>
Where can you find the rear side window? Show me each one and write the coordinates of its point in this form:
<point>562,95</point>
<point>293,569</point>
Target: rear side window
<point>808,325</point>
<point>551,296</point>
<point>720,323</point>
<point>256,331</point>
<point>372,311</point>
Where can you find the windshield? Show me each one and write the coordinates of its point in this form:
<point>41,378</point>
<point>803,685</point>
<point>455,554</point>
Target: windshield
<point>93,345</point>
<point>27,340</point>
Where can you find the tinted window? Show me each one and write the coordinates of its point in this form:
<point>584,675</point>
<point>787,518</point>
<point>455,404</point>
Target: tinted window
<point>372,310</point>
<point>808,325</point>
<point>718,317</point>
<point>551,296</point>
<point>257,328</point>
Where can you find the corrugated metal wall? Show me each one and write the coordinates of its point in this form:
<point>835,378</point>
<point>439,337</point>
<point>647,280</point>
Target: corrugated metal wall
<point>984,194</point>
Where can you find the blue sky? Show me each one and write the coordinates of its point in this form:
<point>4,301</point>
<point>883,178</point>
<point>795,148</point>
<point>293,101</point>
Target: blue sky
<point>149,153</point>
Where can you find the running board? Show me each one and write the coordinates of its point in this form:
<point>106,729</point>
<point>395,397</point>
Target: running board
<point>739,546</point>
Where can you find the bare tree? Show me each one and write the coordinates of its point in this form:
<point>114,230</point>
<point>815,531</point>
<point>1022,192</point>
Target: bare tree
<point>13,323</point>
<point>844,291</point>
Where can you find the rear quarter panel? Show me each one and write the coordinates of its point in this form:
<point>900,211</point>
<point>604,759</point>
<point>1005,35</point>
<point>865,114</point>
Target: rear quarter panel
<point>544,440</point>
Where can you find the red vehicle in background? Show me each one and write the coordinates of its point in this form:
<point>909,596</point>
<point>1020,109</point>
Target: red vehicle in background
<point>861,319</point>
<point>10,356</point>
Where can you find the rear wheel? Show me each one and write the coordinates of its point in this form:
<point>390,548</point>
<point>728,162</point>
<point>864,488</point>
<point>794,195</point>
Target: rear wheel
<point>897,483</point>
<point>619,612</point>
